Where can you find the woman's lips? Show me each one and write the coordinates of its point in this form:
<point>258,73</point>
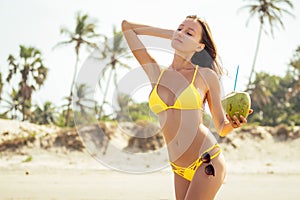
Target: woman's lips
<point>178,40</point>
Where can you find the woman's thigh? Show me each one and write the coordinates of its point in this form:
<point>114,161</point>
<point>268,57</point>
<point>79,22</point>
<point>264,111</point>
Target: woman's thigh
<point>181,186</point>
<point>205,187</point>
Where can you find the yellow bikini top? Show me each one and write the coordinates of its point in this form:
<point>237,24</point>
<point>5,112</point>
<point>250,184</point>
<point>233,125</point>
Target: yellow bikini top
<point>189,99</point>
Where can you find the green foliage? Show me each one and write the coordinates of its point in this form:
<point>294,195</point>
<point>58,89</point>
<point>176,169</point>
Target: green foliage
<point>81,118</point>
<point>270,103</point>
<point>82,35</point>
<point>28,159</point>
<point>31,72</point>
<point>44,114</point>
<point>269,11</point>
<point>139,111</point>
<point>115,58</point>
<point>83,110</point>
<point>82,102</point>
<point>276,100</point>
<point>61,119</point>
<point>207,120</point>
<point>129,110</point>
<point>77,118</point>
<point>11,106</point>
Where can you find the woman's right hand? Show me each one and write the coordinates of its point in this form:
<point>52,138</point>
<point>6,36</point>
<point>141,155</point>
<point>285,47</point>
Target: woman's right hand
<point>235,122</point>
<point>141,29</point>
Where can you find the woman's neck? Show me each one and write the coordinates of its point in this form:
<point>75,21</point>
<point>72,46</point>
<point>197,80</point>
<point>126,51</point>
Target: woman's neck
<point>179,63</point>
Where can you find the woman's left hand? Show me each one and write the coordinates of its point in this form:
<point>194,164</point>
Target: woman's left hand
<point>235,122</point>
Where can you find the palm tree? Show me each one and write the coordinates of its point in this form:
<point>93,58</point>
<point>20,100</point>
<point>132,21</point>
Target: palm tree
<point>33,74</point>
<point>44,114</point>
<point>262,90</point>
<point>114,50</point>
<point>266,99</point>
<point>84,106</point>
<point>124,100</point>
<point>12,105</point>
<point>82,101</point>
<point>84,31</point>
<point>268,11</point>
<point>295,67</point>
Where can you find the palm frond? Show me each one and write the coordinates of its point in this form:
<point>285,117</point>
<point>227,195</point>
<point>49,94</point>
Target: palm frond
<point>270,11</point>
<point>65,30</point>
<point>124,65</point>
<point>63,43</point>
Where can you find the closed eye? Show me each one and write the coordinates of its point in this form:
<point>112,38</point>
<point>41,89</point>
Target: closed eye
<point>187,33</point>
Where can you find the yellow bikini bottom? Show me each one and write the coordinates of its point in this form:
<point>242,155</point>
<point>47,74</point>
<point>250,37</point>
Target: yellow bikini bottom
<point>188,172</point>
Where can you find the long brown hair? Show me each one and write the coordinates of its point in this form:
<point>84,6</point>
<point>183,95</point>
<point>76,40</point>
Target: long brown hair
<point>208,57</point>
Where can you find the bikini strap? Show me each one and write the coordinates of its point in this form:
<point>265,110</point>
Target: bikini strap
<point>160,75</point>
<point>212,147</point>
<point>195,74</point>
<point>217,145</point>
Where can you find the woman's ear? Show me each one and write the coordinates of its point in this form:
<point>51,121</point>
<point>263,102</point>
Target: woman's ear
<point>200,47</point>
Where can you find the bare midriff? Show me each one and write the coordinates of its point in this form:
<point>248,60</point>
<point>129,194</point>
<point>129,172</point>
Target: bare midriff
<point>185,135</point>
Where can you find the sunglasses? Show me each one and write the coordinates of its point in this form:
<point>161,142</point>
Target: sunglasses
<point>209,169</point>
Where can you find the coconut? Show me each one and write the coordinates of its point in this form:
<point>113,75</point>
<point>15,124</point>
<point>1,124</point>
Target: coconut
<point>237,103</point>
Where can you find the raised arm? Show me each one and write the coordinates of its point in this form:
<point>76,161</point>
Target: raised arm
<point>141,29</point>
<point>131,32</point>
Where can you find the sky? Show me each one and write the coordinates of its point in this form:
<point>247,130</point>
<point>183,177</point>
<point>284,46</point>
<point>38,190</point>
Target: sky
<point>37,23</point>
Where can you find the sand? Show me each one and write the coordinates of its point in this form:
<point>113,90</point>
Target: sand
<point>258,168</point>
<point>79,176</point>
<point>93,184</point>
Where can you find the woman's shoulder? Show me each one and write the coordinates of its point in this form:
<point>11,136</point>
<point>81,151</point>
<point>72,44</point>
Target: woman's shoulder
<point>210,78</point>
<point>208,74</point>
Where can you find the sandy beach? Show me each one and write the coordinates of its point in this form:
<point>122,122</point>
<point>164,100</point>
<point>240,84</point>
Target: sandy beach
<point>259,166</point>
<point>73,181</point>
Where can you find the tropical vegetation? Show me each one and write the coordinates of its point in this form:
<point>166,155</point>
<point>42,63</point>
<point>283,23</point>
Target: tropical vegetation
<point>30,73</point>
<point>269,13</point>
<point>80,37</point>
<point>275,99</point>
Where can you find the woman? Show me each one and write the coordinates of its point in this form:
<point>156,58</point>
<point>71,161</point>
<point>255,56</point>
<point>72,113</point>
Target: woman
<point>177,97</point>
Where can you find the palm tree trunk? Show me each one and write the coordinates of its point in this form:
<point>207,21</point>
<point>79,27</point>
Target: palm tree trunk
<point>255,55</point>
<point>105,93</point>
<point>71,91</point>
<point>23,110</point>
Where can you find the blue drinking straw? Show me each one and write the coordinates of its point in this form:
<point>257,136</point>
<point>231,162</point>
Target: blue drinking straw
<point>236,75</point>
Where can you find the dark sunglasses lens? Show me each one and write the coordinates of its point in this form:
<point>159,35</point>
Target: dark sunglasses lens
<point>210,170</point>
<point>205,158</point>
